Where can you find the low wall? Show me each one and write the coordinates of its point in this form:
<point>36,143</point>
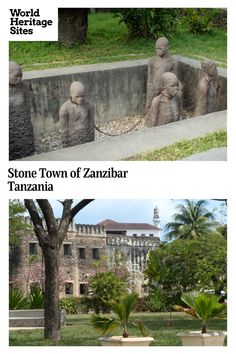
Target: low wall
<point>30,318</point>
<point>116,89</point>
<point>189,73</point>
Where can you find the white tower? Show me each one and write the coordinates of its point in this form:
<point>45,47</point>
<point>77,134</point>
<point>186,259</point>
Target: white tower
<point>156,217</point>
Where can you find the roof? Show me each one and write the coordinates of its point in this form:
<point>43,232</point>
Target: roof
<point>114,225</point>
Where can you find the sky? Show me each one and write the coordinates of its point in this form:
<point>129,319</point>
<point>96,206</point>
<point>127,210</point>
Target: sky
<point>131,210</point>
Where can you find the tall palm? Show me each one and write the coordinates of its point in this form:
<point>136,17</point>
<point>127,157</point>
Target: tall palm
<point>191,222</point>
<point>122,308</point>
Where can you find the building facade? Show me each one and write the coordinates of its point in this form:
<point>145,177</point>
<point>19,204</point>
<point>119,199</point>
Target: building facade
<point>86,250</point>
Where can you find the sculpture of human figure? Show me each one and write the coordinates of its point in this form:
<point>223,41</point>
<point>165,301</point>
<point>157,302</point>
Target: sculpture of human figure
<point>21,136</point>
<point>208,88</point>
<point>165,107</point>
<point>157,66</point>
<point>76,117</point>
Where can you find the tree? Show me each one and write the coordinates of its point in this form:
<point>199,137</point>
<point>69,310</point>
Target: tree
<point>16,221</point>
<point>191,222</point>
<point>17,225</point>
<point>50,237</point>
<point>73,25</point>
<point>186,265</point>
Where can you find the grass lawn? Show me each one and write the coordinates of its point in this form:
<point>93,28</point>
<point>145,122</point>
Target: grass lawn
<point>108,41</point>
<point>79,332</point>
<point>184,148</point>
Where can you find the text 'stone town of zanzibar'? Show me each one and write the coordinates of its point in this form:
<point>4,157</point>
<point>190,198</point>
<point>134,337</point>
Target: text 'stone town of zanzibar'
<point>85,172</point>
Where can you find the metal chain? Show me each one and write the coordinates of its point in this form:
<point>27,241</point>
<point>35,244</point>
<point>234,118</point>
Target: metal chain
<point>127,131</point>
<point>98,129</point>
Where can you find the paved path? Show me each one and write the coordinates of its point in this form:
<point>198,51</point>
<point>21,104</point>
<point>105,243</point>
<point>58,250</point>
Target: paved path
<point>219,154</point>
<point>120,147</point>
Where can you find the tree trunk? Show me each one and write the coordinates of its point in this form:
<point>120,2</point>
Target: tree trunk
<point>52,303</point>
<point>50,239</point>
<point>204,329</point>
<point>73,25</point>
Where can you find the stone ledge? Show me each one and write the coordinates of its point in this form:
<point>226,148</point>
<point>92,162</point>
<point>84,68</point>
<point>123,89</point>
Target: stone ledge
<point>30,318</point>
<point>121,147</point>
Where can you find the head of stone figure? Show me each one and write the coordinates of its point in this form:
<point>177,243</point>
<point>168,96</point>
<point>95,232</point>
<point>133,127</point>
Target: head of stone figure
<point>170,84</point>
<point>162,45</point>
<point>77,93</point>
<point>15,73</point>
<point>209,67</point>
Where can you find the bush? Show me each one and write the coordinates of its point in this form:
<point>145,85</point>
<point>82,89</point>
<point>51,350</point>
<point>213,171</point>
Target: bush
<point>200,20</point>
<point>148,23</point>
<point>156,301</point>
<point>17,300</point>
<point>105,287</point>
<point>36,299</point>
<point>220,20</point>
<point>74,305</point>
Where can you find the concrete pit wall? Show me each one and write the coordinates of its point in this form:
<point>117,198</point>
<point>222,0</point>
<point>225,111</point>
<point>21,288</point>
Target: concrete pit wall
<point>116,89</point>
<point>189,73</point>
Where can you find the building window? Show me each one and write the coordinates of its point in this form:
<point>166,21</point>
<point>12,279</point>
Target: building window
<point>33,248</point>
<point>143,235</point>
<point>135,235</point>
<point>82,253</point>
<point>151,235</point>
<point>83,289</point>
<point>69,288</point>
<point>95,253</point>
<point>67,249</point>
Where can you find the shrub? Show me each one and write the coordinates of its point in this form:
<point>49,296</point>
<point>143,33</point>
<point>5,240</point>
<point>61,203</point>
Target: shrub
<point>148,22</point>
<point>122,308</point>
<point>200,20</point>
<point>156,301</point>
<point>202,306</point>
<point>104,287</point>
<point>17,300</point>
<point>74,305</point>
<point>36,299</point>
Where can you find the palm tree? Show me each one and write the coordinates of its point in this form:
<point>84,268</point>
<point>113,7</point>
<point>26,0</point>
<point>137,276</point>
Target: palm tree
<point>122,308</point>
<point>191,222</point>
<point>201,306</point>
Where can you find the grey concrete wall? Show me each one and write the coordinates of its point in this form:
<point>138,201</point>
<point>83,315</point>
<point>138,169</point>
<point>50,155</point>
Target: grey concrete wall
<point>116,89</point>
<point>189,73</point>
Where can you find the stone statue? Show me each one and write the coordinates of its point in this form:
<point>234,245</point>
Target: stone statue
<point>165,108</point>
<point>157,66</point>
<point>21,136</point>
<point>207,89</point>
<point>76,117</point>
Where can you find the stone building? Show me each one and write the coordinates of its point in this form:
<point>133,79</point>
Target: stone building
<point>87,249</point>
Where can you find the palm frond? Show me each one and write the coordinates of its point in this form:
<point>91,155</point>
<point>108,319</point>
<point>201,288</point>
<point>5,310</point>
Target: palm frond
<point>104,325</point>
<point>141,327</point>
<point>206,306</point>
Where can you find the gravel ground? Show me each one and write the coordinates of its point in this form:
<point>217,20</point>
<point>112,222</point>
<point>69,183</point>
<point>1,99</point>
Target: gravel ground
<point>126,125</point>
<point>120,126</point>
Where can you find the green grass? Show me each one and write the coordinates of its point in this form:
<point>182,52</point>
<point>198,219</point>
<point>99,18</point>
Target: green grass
<point>184,148</point>
<point>108,41</point>
<point>79,332</point>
